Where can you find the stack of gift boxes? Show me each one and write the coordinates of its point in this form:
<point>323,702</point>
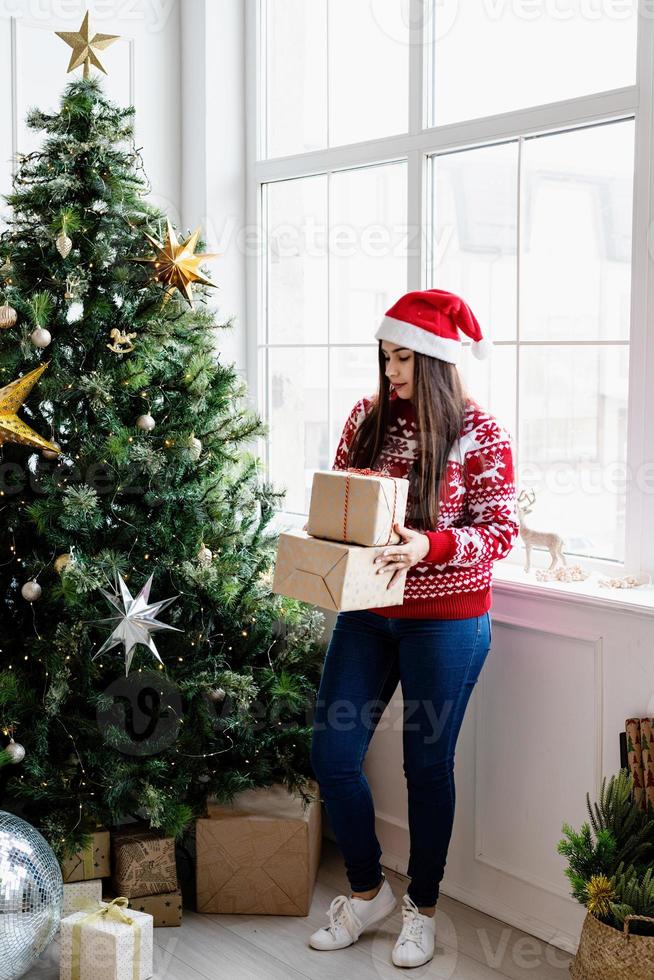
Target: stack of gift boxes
<point>111,936</point>
<point>351,518</point>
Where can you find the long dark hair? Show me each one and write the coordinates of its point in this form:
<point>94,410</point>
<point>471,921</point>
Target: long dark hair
<point>439,400</point>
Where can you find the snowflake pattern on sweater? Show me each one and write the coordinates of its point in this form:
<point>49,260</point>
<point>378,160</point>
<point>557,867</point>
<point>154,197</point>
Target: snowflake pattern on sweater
<point>478,519</point>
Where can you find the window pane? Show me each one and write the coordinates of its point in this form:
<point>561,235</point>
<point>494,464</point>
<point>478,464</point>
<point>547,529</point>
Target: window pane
<point>473,234</point>
<point>296,260</point>
<point>490,58</point>
<point>295,95</point>
<point>576,246</point>
<point>368,246</point>
<point>368,69</point>
<point>354,372</point>
<point>337,71</point>
<point>572,444</point>
<point>298,436</point>
<point>492,383</point>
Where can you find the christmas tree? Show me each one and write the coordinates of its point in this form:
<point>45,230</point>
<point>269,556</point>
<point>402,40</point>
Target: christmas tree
<point>145,662</point>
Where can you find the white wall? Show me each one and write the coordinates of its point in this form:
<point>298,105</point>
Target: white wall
<point>142,67</point>
<point>213,152</point>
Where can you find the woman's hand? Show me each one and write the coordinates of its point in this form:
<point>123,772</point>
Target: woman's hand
<point>397,557</point>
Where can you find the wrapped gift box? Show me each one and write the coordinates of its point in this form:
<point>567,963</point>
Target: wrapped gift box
<point>333,575</point>
<point>165,908</point>
<point>357,508</point>
<point>112,944</point>
<point>260,854</point>
<point>80,894</point>
<point>143,863</point>
<point>91,862</point>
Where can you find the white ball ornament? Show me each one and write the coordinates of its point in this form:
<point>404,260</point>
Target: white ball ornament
<point>15,751</point>
<point>146,423</point>
<point>41,337</point>
<point>194,447</point>
<point>205,555</point>
<point>31,591</point>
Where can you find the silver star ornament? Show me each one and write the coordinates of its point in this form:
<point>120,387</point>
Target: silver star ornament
<point>135,622</point>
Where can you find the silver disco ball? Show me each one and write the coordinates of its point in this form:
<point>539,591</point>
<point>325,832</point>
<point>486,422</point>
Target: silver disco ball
<point>31,895</point>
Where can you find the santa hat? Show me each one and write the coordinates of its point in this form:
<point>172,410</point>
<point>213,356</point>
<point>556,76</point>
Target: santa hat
<point>428,321</point>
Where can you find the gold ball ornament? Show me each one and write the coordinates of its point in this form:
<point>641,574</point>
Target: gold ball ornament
<point>53,453</point>
<point>41,337</point>
<point>61,561</point>
<point>146,423</point>
<point>64,245</point>
<point>15,751</point>
<point>31,591</point>
<point>8,316</point>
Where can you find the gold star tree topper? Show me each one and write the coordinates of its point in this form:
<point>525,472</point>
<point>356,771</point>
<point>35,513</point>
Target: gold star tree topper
<point>84,48</point>
<point>176,264</point>
<point>13,429</point>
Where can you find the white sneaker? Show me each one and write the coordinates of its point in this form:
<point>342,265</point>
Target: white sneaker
<point>415,944</point>
<point>349,917</point>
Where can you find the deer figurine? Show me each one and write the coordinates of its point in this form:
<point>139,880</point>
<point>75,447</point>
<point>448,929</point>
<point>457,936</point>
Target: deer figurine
<point>547,539</point>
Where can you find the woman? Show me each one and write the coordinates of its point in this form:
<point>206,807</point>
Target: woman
<point>461,517</point>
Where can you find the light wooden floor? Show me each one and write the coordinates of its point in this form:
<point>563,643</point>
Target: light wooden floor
<point>469,944</point>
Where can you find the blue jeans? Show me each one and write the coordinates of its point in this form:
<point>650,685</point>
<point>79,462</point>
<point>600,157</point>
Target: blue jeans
<point>438,662</point>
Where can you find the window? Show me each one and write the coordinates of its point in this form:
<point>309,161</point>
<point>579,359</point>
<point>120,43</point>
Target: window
<point>492,154</point>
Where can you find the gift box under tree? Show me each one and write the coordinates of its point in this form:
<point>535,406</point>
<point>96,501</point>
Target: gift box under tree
<point>260,854</point>
<point>106,943</point>
<point>143,862</point>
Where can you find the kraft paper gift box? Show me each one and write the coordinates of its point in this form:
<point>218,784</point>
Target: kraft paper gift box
<point>80,894</point>
<point>260,854</point>
<point>333,575</point>
<point>110,943</point>
<point>91,862</point>
<point>143,863</point>
<point>358,508</point>
<point>165,908</point>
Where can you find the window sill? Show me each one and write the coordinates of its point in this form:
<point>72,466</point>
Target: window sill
<point>509,578</point>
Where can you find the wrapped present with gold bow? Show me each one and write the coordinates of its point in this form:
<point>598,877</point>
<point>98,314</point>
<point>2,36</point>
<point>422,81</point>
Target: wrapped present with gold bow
<point>80,894</point>
<point>165,908</point>
<point>357,506</point>
<point>106,942</point>
<point>89,862</point>
<point>333,575</point>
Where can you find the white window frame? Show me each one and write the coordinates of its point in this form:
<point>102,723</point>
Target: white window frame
<point>415,146</point>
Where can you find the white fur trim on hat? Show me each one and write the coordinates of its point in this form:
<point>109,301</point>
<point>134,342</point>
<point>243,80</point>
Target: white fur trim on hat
<point>418,339</point>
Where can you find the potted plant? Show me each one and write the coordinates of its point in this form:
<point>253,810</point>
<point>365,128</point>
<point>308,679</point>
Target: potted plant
<point>612,874</point>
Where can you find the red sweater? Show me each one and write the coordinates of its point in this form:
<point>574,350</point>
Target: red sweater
<point>478,520</point>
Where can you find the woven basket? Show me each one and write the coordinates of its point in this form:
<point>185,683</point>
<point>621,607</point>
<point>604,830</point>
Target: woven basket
<point>606,953</point>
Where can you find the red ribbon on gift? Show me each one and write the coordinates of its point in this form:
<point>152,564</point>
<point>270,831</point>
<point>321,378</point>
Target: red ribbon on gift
<point>367,472</point>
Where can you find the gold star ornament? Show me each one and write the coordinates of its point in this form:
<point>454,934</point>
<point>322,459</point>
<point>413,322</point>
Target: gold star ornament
<point>13,429</point>
<point>176,264</point>
<point>84,48</point>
